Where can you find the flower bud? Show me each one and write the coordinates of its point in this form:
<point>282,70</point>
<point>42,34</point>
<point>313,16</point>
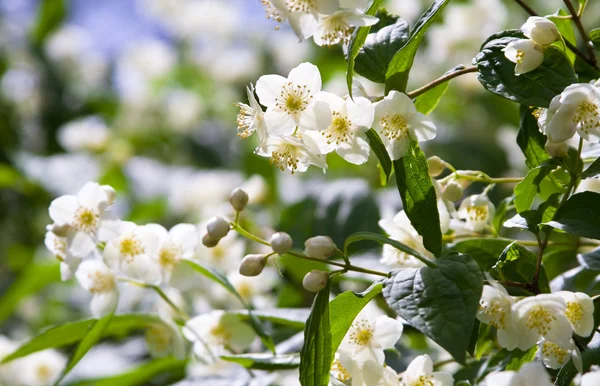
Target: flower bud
<point>314,281</point>
<point>557,149</point>
<point>253,265</point>
<point>111,193</point>
<point>541,30</point>
<point>217,227</point>
<point>320,247</point>
<point>453,191</point>
<point>281,242</point>
<point>209,242</point>
<point>238,199</point>
<point>436,166</point>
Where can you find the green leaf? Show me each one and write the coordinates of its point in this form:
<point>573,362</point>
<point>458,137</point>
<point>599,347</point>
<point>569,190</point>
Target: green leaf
<point>316,354</point>
<point>565,27</point>
<point>265,361</point>
<point>356,42</point>
<point>590,357</point>
<point>537,182</point>
<point>401,63</point>
<point>428,101</point>
<point>360,236</point>
<point>440,302</point>
<point>419,197</point>
<point>592,170</point>
<point>590,260</point>
<point>520,263</point>
<point>536,88</point>
<point>518,358</point>
<point>375,55</point>
<point>70,333</point>
<point>580,215</point>
<point>500,215</point>
<point>291,317</point>
<point>344,309</point>
<point>595,36</point>
<point>51,14</point>
<point>33,279</point>
<point>220,279</point>
<point>531,141</point>
<point>93,335</point>
<point>381,153</point>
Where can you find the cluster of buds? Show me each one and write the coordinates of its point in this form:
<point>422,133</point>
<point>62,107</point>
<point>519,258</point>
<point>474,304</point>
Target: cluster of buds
<point>218,227</point>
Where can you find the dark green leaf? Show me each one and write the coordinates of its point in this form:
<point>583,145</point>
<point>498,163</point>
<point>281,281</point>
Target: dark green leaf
<point>518,262</point>
<point>359,236</point>
<point>590,260</point>
<point>531,141</point>
<point>419,197</point>
<point>317,354</point>
<point>536,88</point>
<point>580,215</point>
<point>381,153</point>
<point>440,302</point>
<point>592,170</point>
<point>265,361</point>
<point>401,63</point>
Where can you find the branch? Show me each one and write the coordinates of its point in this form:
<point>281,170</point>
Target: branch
<point>586,39</point>
<point>415,93</point>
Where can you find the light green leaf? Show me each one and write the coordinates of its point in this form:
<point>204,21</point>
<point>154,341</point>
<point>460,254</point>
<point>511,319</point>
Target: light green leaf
<point>266,362</point>
<point>537,182</point>
<point>580,215</point>
<point>565,27</point>
<point>531,141</point>
<point>51,14</point>
<point>518,358</point>
<point>595,37</point>
<point>381,153</point>
<point>360,236</point>
<point>428,101</point>
<point>291,317</point>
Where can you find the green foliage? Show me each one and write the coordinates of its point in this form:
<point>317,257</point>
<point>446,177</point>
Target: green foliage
<point>530,139</point>
<point>538,181</point>
<point>266,362</point>
<point>595,36</point>
<point>428,101</point>
<point>440,302</point>
<point>580,215</point>
<point>592,171</point>
<point>51,14</point>
<point>381,153</point>
<point>290,317</point>
<point>590,260</point>
<point>360,236</point>
<point>565,27</point>
<point>590,357</point>
<point>536,88</point>
<point>419,197</point>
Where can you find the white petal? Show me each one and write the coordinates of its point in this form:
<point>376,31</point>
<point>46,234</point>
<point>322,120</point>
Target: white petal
<point>387,331</point>
<point>279,123</point>
<point>81,244</point>
<point>109,226</point>
<point>441,378</point>
<point>186,236</point>
<point>306,74</point>
<point>327,6</point>
<point>303,24</point>
<point>93,196</point>
<point>322,115</point>
<point>397,148</point>
<point>143,268</point>
<point>103,304</point>
<point>360,112</point>
<point>422,128</point>
<point>534,373</point>
<point>62,210</point>
<point>268,88</point>
<point>421,365</point>
<point>504,378</point>
<point>355,151</point>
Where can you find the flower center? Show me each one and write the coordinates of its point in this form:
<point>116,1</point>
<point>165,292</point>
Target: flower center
<point>102,282</point>
<point>339,371</point>
<point>494,310</point>
<point>520,56</point>
<point>336,30</point>
<point>130,247</point>
<point>245,290</point>
<point>539,319</point>
<point>245,119</point>
<point>169,255</point>
<point>293,99</point>
<point>285,157</point>
<point>305,6</point>
<point>362,333</point>
<point>272,12</point>
<point>478,213</point>
<point>424,380</point>
<point>86,219</point>
<point>60,248</point>
<point>574,312</point>
<point>339,130</point>
<point>587,116</point>
<point>43,372</point>
<point>552,350</point>
<point>394,127</point>
<point>220,334</point>
<point>159,337</point>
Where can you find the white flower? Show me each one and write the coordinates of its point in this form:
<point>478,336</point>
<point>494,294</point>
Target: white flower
<point>251,118</point>
<point>255,290</point>
<point>287,100</point>
<point>337,27</point>
<point>96,278</point>
<point>541,316</point>
<point>495,309</point>
<point>540,30</point>
<point>579,311</point>
<point>164,339</point>
<point>41,368</point>
<point>178,243</point>
<point>87,214</point>
<point>527,54</point>
<point>398,122</point>
<point>226,255</point>
<point>478,212</point>
<point>369,336</point>
<point>400,229</point>
<point>133,250</point>
<point>293,153</point>
<point>88,133</point>
<point>555,356</point>
<point>532,373</point>
<point>575,110</point>
<point>590,379</point>
<point>302,14</point>
<point>420,372</point>
<point>58,246</point>
<point>342,126</point>
<point>362,372</point>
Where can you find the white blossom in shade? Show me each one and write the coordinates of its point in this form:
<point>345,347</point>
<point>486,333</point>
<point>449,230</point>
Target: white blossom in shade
<point>400,229</point>
<point>226,255</point>
<point>164,339</point>
<point>41,368</point>
<point>301,14</point>
<point>251,117</point>
<point>178,243</point>
<point>477,211</point>
<point>495,309</point>
<point>362,372</point>
<point>541,316</point>
<point>555,356</point>
<point>89,133</point>
<point>368,336</point>
<point>217,332</point>
<point>590,379</point>
<point>338,26</point>
<point>541,30</point>
<point>575,110</point>
<point>342,125</point>
<point>86,213</point>
<point>132,252</point>
<point>288,99</point>
<point>525,53</point>
<point>532,373</point>
<point>293,153</point>
<point>96,278</point>
<point>398,122</point>
<point>579,311</point>
<point>257,289</point>
<point>58,246</point>
<point>420,372</point>
<point>338,370</point>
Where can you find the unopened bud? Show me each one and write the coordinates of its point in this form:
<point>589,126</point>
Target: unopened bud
<point>453,191</point>
<point>253,265</point>
<point>281,242</point>
<point>314,281</point>
<point>238,199</point>
<point>217,227</point>
<point>111,193</point>
<point>436,166</point>
<point>209,242</point>
<point>59,230</point>
<point>320,247</point>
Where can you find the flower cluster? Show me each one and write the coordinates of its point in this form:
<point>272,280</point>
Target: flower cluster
<point>528,54</point>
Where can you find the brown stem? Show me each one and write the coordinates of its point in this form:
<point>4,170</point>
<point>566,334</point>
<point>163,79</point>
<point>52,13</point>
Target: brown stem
<point>415,93</point>
<point>586,39</point>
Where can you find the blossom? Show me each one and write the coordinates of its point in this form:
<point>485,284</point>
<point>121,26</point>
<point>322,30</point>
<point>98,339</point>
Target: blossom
<point>58,246</point>
<point>251,117</point>
<point>41,368</point>
<point>86,213</point>
<point>532,373</point>
<point>293,153</point>
<point>96,278</point>
<point>287,99</point>
<point>178,243</point>
<point>342,126</point>
<point>163,339</point>
<point>398,122</point>
<point>302,14</point>
<point>541,316</point>
<point>363,373</point>
<point>226,255</point>
<point>89,133</point>
<point>579,311</point>
<point>337,27</point>
<point>590,379</point>
<point>478,212</point>
<point>541,30</point>
<point>420,372</point>
<point>495,309</point>
<point>555,356</point>
<point>256,290</point>
<point>575,110</point>
<point>527,54</point>
<point>400,229</point>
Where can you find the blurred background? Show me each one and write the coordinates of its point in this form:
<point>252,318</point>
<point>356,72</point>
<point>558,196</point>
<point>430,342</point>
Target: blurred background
<point>141,95</point>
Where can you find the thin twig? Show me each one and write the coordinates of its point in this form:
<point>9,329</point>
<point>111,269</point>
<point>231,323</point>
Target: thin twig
<point>415,93</point>
<point>586,39</point>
